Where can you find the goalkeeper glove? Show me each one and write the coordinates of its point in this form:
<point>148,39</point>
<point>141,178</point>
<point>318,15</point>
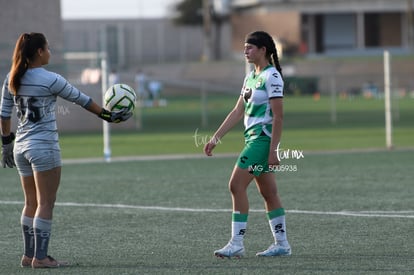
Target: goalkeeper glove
<point>7,158</point>
<point>115,117</point>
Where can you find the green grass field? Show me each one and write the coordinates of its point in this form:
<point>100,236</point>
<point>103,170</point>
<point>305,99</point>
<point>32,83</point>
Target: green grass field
<point>347,213</point>
<point>348,200</point>
<point>177,128</point>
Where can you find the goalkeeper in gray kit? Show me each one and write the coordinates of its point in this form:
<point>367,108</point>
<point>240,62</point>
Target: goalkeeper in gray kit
<point>34,149</point>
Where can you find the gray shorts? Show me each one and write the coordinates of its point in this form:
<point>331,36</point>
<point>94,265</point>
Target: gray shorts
<point>36,160</point>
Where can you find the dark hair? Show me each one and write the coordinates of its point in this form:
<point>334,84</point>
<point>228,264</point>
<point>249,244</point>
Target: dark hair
<point>263,39</point>
<point>24,52</point>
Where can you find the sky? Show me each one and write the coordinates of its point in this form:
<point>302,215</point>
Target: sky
<point>98,9</point>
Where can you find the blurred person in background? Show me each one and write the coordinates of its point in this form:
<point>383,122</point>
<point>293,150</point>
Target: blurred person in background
<point>141,84</point>
<point>155,88</point>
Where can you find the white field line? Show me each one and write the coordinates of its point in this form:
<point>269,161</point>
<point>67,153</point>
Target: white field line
<point>408,214</point>
<point>144,158</point>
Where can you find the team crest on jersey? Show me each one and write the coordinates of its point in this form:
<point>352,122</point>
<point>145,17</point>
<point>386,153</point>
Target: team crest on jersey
<point>259,83</point>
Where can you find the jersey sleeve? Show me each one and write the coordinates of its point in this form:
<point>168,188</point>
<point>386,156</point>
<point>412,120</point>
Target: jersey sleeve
<point>274,85</point>
<point>7,103</point>
<point>62,88</point>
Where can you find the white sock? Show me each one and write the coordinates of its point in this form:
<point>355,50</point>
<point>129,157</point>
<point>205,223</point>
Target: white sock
<point>278,227</point>
<point>238,227</point>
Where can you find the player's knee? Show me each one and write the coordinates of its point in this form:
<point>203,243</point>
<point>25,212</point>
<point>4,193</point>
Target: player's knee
<point>269,195</point>
<point>236,188</point>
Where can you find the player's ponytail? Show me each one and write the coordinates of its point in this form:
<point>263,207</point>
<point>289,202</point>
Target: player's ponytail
<point>276,62</point>
<point>24,52</point>
<point>263,39</point>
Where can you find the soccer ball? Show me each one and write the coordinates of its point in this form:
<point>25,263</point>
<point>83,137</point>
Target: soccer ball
<point>119,96</point>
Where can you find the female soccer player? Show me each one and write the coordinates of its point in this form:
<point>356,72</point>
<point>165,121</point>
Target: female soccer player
<point>33,91</point>
<point>261,105</point>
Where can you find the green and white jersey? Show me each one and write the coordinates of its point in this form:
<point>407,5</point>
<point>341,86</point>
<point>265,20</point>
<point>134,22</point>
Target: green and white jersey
<point>257,91</point>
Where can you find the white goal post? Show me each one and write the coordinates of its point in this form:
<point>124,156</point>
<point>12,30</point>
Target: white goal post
<point>387,98</point>
<point>102,57</point>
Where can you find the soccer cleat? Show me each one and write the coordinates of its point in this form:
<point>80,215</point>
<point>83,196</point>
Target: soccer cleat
<point>275,250</point>
<point>231,250</point>
<point>48,262</point>
<point>26,261</point>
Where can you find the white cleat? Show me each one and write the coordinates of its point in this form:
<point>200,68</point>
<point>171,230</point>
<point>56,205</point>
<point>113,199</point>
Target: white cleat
<point>231,250</point>
<point>275,250</point>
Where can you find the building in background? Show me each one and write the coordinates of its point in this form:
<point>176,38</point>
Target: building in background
<point>315,27</point>
<point>129,42</point>
<point>305,27</point>
<point>19,16</point>
<point>326,27</point>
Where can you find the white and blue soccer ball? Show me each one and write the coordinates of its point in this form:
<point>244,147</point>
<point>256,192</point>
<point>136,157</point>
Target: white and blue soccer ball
<point>119,96</point>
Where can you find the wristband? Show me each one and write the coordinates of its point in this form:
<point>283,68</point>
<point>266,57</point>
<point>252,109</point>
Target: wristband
<point>8,139</point>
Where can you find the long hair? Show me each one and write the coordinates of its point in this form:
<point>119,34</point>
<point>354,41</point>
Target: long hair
<point>263,39</point>
<point>24,52</point>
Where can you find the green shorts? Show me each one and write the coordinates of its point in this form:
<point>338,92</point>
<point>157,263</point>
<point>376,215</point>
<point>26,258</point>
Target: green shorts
<point>255,153</point>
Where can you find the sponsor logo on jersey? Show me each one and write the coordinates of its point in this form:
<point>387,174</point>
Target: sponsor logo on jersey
<point>277,88</point>
<point>247,93</point>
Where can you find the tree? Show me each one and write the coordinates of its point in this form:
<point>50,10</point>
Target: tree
<point>189,12</point>
<point>201,12</point>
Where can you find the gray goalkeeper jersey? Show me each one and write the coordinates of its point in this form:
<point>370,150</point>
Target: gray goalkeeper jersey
<point>35,105</point>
